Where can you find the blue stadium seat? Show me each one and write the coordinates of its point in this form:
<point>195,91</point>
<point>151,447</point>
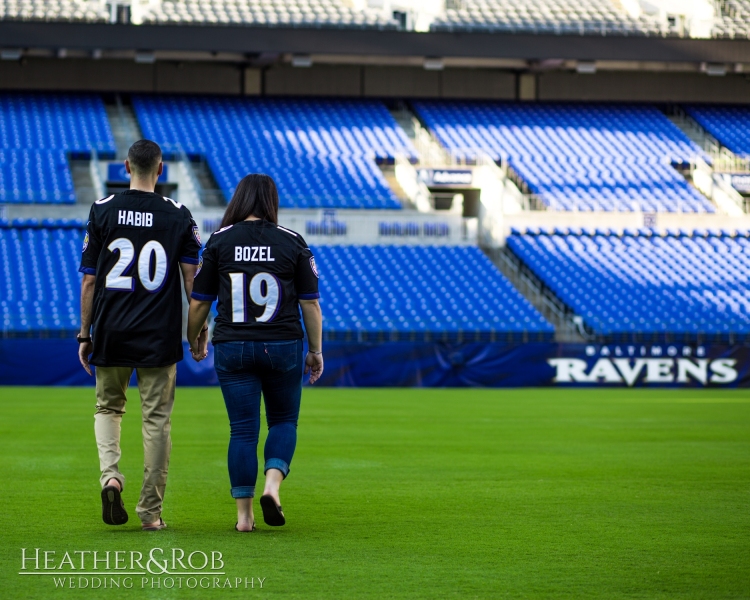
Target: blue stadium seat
<point>421,293</point>
<point>40,289</point>
<point>577,157</point>
<point>417,293</point>
<point>728,124</point>
<point>37,132</point>
<point>645,284</point>
<point>321,153</point>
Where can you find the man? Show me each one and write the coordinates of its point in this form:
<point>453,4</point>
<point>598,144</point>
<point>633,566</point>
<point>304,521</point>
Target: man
<point>131,318</point>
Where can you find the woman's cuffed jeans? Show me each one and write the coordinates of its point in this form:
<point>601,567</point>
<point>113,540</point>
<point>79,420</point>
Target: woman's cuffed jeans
<point>245,369</point>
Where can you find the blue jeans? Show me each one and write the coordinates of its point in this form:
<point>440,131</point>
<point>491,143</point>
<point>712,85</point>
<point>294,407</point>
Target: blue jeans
<point>244,370</point>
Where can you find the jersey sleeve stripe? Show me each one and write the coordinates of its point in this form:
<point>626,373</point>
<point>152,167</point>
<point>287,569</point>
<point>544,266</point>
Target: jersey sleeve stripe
<point>203,297</point>
<point>189,260</point>
<point>314,296</point>
<point>87,270</point>
<point>287,230</point>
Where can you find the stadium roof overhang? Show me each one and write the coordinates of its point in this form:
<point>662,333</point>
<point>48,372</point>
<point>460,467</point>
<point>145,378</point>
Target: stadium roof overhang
<point>351,43</point>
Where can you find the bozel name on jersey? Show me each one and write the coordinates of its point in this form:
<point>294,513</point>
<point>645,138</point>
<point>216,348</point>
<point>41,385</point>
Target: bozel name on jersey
<point>135,218</point>
<point>253,254</point>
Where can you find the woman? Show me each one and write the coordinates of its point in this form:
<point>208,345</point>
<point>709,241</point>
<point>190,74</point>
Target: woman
<point>260,273</point>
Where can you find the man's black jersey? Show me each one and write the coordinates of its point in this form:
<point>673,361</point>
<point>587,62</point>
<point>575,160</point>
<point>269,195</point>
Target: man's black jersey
<point>259,271</point>
<point>134,244</point>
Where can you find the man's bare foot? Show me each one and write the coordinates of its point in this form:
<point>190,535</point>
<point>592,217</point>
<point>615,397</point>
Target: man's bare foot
<point>115,483</point>
<point>155,526</point>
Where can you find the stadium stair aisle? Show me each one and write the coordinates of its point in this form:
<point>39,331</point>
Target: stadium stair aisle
<point>577,156</point>
<point>321,153</point>
<point>37,135</point>
<point>644,285</point>
<point>421,293</point>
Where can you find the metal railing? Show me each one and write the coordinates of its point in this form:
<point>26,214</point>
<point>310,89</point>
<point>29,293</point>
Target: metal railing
<point>432,154</point>
<point>210,196</point>
<point>408,179</point>
<point>569,327</point>
<point>534,202</point>
<point>722,159</point>
<point>96,177</point>
<point>206,197</point>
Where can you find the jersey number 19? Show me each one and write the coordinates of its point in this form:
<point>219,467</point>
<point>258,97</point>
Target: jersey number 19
<point>264,291</point>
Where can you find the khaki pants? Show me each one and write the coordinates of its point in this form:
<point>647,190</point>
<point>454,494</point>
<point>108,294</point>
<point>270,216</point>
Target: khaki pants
<point>156,386</point>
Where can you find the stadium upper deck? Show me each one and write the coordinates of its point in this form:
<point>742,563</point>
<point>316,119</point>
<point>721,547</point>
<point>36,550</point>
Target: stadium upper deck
<point>729,19</point>
<point>580,17</point>
<point>300,13</point>
<point>54,10</point>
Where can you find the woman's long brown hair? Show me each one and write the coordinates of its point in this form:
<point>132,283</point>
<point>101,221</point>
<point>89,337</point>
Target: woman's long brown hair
<point>254,195</point>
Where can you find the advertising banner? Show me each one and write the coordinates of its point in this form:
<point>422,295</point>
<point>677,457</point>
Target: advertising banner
<point>741,183</point>
<point>536,364</point>
<point>407,364</point>
<point>446,177</point>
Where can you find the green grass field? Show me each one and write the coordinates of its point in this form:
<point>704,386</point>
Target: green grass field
<point>413,494</point>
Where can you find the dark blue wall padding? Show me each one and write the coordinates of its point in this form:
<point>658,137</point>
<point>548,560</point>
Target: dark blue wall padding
<point>406,364</point>
<point>437,365</point>
<point>55,362</point>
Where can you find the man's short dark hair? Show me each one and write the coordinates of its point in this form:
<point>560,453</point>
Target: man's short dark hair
<point>144,157</point>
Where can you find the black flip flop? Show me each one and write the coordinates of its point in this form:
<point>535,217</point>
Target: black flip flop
<point>272,513</point>
<point>248,531</point>
<point>113,509</point>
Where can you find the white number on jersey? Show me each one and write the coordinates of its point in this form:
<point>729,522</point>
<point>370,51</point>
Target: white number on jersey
<point>269,299</point>
<point>117,281</point>
<point>152,248</point>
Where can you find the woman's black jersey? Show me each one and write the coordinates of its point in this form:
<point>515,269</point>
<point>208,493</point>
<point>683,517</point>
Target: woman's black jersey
<point>259,271</point>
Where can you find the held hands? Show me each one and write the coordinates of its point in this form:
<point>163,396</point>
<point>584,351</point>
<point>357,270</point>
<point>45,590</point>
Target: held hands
<point>314,366</point>
<point>199,347</point>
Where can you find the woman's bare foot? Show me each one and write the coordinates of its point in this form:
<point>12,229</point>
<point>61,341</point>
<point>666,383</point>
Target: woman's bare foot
<point>270,502</point>
<point>245,518</point>
<point>274,477</point>
<point>246,526</point>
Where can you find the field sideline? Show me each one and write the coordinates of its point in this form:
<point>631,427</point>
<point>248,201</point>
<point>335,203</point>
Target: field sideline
<point>448,493</point>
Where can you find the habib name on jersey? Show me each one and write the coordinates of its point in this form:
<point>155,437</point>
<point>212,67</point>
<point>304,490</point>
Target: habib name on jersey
<point>135,218</point>
<point>253,254</point>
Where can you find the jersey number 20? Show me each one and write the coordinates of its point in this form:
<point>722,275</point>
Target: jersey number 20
<point>115,278</point>
<point>269,298</point>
